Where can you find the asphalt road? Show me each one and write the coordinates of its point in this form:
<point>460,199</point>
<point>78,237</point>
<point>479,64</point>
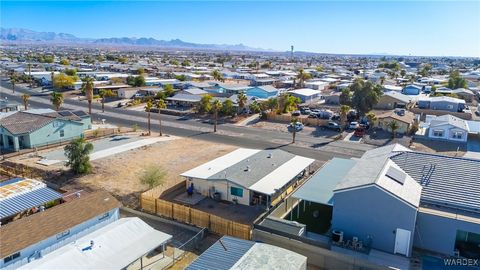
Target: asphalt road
<point>306,145</point>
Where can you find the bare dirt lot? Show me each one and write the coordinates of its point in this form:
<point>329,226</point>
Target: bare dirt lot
<point>119,174</point>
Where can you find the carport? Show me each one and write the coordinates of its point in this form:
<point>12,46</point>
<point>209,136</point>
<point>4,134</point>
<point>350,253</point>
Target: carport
<point>473,142</point>
<point>316,195</point>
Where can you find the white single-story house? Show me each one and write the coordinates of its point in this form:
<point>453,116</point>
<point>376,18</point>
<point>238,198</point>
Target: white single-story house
<point>248,176</point>
<point>448,127</point>
<point>307,95</point>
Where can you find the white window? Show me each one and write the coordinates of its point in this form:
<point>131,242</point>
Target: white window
<point>438,133</point>
<point>449,106</point>
<point>457,135</point>
<point>63,234</point>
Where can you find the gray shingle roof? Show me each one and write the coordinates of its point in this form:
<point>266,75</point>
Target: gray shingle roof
<point>259,164</point>
<point>449,119</point>
<point>446,181</point>
<point>21,122</point>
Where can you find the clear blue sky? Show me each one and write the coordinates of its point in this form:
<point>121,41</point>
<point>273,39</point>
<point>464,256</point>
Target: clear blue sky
<point>446,28</point>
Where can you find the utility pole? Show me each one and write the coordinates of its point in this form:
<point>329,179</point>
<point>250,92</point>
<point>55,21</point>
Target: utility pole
<point>291,52</point>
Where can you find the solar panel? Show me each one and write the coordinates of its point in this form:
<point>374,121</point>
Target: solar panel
<point>80,113</point>
<point>396,175</point>
<point>65,113</point>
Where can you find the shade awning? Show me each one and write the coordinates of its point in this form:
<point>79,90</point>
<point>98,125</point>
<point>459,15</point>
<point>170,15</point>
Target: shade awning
<point>26,201</point>
<point>277,179</point>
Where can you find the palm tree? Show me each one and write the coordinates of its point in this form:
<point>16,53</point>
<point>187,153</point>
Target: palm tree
<point>216,106</point>
<point>293,123</point>
<point>57,100</point>
<point>344,109</point>
<point>302,76</point>
<point>52,77</point>
<point>242,101</point>
<point>13,81</point>
<point>393,125</point>
<point>217,76</point>
<point>25,98</point>
<point>160,105</point>
<point>148,108</point>
<point>88,86</point>
<point>371,118</point>
<point>104,94</point>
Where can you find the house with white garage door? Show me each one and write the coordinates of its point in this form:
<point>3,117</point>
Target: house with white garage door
<point>248,176</point>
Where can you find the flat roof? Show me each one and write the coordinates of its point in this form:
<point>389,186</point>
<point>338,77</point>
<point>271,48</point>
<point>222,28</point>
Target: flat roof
<point>116,246</point>
<point>319,188</point>
<point>282,175</point>
<point>305,92</point>
<point>212,167</point>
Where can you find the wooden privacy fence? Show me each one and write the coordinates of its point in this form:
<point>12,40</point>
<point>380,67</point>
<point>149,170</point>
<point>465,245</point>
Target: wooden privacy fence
<point>283,118</point>
<point>195,217</point>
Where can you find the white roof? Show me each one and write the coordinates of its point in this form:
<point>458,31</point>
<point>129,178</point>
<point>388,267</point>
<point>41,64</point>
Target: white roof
<point>282,175</point>
<point>212,167</point>
<point>305,92</point>
<point>116,246</point>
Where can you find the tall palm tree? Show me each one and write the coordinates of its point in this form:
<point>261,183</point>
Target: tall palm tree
<point>216,107</point>
<point>302,76</point>
<point>57,100</point>
<point>148,108</point>
<point>25,98</point>
<point>393,125</point>
<point>371,119</point>
<point>105,94</point>
<point>344,109</point>
<point>88,83</point>
<point>293,122</point>
<point>242,101</point>
<point>160,105</point>
<point>52,78</point>
<point>13,81</point>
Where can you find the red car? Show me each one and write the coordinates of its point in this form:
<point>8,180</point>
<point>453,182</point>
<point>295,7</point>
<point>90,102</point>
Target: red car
<point>359,132</point>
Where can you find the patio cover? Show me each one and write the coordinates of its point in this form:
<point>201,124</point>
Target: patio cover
<point>116,246</point>
<point>319,188</point>
<point>282,175</point>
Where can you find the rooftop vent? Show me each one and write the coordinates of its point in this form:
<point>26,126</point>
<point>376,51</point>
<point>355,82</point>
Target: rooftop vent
<point>247,169</point>
<point>269,155</point>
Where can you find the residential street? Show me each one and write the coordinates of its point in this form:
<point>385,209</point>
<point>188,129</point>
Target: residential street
<point>306,145</point>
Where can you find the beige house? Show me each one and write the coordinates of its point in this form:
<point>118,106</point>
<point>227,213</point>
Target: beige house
<point>392,100</point>
<point>403,118</point>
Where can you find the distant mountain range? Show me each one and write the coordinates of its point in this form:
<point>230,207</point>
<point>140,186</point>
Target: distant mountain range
<point>20,35</point>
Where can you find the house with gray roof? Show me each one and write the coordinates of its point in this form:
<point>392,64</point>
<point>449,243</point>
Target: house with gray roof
<point>448,127</point>
<point>34,128</point>
<point>394,200</point>
<point>248,176</point>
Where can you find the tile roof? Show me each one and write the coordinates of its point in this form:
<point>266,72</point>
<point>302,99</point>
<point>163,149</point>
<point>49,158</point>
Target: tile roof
<point>446,181</point>
<point>27,231</point>
<point>21,122</point>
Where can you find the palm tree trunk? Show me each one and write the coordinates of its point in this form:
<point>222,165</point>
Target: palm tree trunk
<point>26,105</point>
<point>89,107</point>
<point>215,123</point>
<point>160,121</point>
<point>149,128</point>
<point>294,133</point>
<point>103,104</point>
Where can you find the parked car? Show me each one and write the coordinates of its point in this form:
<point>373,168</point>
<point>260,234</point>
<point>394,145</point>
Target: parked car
<point>298,126</point>
<point>353,125</point>
<point>312,115</point>
<point>296,113</point>
<point>359,132</point>
<point>332,126</point>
